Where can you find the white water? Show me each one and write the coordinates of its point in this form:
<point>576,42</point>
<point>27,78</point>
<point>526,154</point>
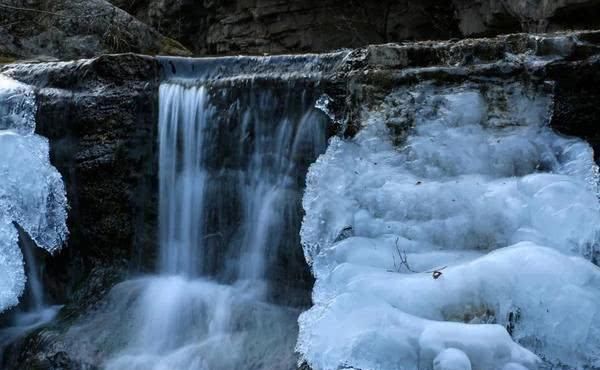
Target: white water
<point>182,178</point>
<point>34,312</point>
<point>480,189</point>
<point>230,175</point>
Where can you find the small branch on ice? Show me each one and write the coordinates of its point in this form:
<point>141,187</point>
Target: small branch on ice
<point>403,259</point>
<point>404,262</point>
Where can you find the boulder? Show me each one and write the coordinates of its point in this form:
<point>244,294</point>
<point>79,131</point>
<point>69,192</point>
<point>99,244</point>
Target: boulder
<point>72,29</point>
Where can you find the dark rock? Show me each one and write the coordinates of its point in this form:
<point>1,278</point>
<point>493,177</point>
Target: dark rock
<point>70,29</point>
<point>74,29</point>
<point>304,366</point>
<point>492,17</point>
<point>26,355</point>
<point>187,21</point>
<point>577,93</point>
<point>275,26</point>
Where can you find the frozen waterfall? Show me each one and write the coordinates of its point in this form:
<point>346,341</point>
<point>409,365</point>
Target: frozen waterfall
<point>455,231</point>
<point>32,197</point>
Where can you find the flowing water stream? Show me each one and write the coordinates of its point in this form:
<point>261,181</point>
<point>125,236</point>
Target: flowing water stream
<point>228,289</point>
<point>34,311</point>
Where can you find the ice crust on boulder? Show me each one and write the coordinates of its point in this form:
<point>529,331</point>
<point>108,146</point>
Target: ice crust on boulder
<point>32,193</point>
<point>468,181</point>
<point>451,359</point>
<point>17,106</point>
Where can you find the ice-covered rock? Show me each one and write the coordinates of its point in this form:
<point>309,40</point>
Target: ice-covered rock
<point>451,359</point>
<point>32,194</point>
<point>454,222</point>
<point>17,107</point>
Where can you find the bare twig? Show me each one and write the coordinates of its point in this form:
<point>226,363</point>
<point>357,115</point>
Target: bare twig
<point>404,262</point>
<point>403,259</point>
<point>62,15</point>
<point>18,8</point>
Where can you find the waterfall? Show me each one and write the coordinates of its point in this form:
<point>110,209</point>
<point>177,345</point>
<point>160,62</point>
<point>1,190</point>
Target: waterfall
<point>34,310</point>
<point>182,178</point>
<point>233,155</point>
<point>231,179</point>
<point>36,286</point>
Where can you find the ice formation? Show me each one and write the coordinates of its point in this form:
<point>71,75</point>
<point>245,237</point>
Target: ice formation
<point>454,231</point>
<point>32,194</point>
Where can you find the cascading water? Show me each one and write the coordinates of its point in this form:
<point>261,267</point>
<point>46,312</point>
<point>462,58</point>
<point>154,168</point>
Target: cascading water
<point>233,155</point>
<point>182,122</point>
<point>245,197</point>
<point>34,310</point>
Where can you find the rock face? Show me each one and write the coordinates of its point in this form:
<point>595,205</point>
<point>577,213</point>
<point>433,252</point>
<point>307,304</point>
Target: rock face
<point>275,26</point>
<point>482,17</point>
<point>67,29</point>
<point>576,92</point>
<point>300,26</point>
<point>81,29</point>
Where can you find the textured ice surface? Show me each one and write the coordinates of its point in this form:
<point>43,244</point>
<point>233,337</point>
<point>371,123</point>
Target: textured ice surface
<point>32,194</point>
<point>470,182</point>
<point>451,359</point>
<point>17,106</point>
